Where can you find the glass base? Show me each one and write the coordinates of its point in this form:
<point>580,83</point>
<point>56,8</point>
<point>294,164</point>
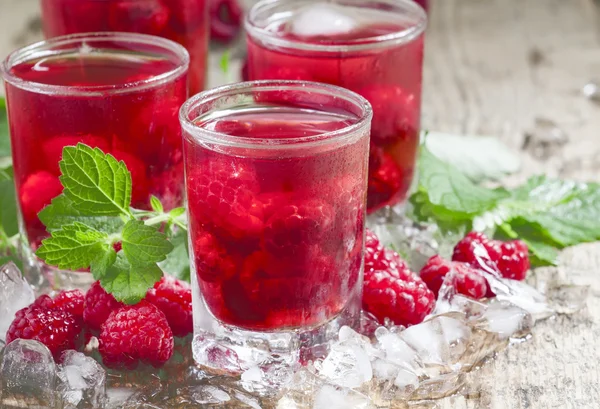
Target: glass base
<point>223,349</point>
<point>44,278</point>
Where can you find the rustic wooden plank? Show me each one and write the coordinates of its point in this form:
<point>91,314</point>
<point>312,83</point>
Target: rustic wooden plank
<point>503,68</point>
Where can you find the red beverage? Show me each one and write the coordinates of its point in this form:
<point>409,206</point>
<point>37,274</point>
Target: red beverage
<point>374,48</point>
<point>277,210</point>
<point>183,21</point>
<point>91,92</point>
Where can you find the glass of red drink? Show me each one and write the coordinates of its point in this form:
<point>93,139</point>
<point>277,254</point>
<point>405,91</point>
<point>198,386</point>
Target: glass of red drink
<point>276,177</point>
<point>119,92</point>
<point>183,21</point>
<point>372,47</point>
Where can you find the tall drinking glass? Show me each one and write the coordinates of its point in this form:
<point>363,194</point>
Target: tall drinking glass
<point>183,21</point>
<point>372,47</point>
<point>276,177</point>
<point>116,91</point>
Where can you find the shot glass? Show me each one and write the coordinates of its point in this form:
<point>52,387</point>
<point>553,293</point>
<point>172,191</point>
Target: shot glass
<point>183,21</point>
<point>372,47</point>
<point>276,178</point>
<point>119,92</point>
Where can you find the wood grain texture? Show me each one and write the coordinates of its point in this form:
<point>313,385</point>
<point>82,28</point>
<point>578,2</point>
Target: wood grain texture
<point>508,68</point>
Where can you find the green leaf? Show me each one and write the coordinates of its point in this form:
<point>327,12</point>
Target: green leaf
<point>100,265</point>
<point>4,132</point>
<point>127,283</point>
<point>62,212</point>
<point>8,208</point>
<point>224,62</point>
<point>479,158</point>
<point>178,211</point>
<point>449,189</point>
<point>73,247</point>
<point>156,204</point>
<point>177,262</point>
<point>144,245</point>
<point>97,184</point>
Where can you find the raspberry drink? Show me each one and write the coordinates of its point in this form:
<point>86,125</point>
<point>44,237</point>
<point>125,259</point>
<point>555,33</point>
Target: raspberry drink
<point>82,88</point>
<point>183,21</point>
<point>374,48</point>
<point>276,185</point>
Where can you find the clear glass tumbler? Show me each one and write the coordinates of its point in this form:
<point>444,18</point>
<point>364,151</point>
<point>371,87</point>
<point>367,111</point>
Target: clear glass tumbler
<point>372,47</point>
<point>276,178</point>
<point>119,92</point>
<point>183,21</point>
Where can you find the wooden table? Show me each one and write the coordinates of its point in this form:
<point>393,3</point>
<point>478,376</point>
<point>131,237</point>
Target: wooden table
<point>508,68</point>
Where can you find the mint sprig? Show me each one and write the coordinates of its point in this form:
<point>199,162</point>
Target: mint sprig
<point>93,227</point>
<point>548,214</point>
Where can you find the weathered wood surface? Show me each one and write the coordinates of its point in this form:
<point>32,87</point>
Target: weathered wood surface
<point>508,68</point>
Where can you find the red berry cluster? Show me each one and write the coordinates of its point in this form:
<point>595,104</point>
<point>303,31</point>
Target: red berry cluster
<point>473,255</point>
<point>127,335</point>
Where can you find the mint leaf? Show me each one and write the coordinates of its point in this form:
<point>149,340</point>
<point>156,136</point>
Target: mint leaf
<point>100,265</point>
<point>128,283</point>
<point>224,62</point>
<point>97,184</point>
<point>156,204</point>
<point>178,211</point>
<point>4,133</point>
<point>449,192</point>
<point>479,158</point>
<point>75,246</point>
<point>144,245</point>
<point>8,207</point>
<point>177,262</point>
<point>62,211</point>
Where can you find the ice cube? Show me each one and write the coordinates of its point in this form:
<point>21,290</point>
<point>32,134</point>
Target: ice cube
<point>27,375</point>
<point>267,379</point>
<point>323,19</point>
<point>505,319</point>
<point>522,295</point>
<point>335,397</point>
<point>15,293</point>
<point>439,341</point>
<point>83,381</point>
<point>348,363</point>
<point>209,395</point>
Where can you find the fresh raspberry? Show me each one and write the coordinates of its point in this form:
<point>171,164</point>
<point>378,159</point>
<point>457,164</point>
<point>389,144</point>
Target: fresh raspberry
<point>139,180</point>
<point>468,280</point>
<point>43,301</point>
<point>174,299</point>
<point>147,17</point>
<point>70,301</point>
<point>295,227</point>
<point>395,113</point>
<point>475,249</point>
<point>222,194</point>
<point>53,148</point>
<point>511,258</point>
<point>225,19</point>
<point>390,289</point>
<point>514,260</point>
<point>37,192</point>
<point>386,180</point>
<point>58,330</point>
<point>133,334</point>
<point>213,263</point>
<point>98,306</point>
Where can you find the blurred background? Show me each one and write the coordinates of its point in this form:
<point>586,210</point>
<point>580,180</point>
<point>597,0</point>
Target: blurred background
<point>525,71</point>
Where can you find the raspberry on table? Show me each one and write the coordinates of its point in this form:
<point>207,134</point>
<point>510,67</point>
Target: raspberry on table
<point>213,263</point>
<point>70,301</point>
<point>134,334</point>
<point>511,258</point>
<point>98,306</point>
<point>467,281</point>
<point>390,289</point>
<point>174,299</point>
<point>57,329</point>
<point>294,228</point>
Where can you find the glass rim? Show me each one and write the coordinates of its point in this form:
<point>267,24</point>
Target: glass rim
<point>382,41</point>
<point>202,135</point>
<point>45,47</point>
